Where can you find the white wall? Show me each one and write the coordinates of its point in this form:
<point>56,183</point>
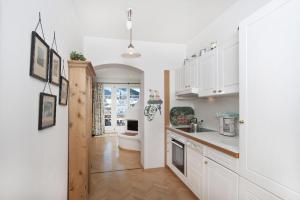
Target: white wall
<point>206,109</point>
<point>33,164</point>
<point>224,28</point>
<point>155,58</point>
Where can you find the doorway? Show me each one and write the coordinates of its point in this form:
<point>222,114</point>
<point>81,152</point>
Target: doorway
<point>118,99</point>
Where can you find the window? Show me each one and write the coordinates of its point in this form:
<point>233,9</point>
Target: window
<point>117,100</point>
<point>134,96</point>
<point>107,106</point>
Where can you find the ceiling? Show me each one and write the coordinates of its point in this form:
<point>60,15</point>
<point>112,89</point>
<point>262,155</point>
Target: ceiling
<point>171,21</point>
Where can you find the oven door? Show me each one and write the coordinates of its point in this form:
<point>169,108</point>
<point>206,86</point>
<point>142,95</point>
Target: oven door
<point>178,157</point>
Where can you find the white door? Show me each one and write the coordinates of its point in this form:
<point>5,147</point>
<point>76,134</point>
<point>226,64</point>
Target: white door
<point>228,68</point>
<point>118,98</point>
<point>270,98</point>
<point>208,64</point>
<point>250,191</point>
<point>195,174</point>
<point>220,183</point>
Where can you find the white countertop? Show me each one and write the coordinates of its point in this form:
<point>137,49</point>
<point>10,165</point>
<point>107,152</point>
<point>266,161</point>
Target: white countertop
<point>229,143</point>
<point>214,138</point>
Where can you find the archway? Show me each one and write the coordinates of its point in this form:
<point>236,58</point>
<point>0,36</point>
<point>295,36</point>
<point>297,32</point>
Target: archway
<point>117,74</point>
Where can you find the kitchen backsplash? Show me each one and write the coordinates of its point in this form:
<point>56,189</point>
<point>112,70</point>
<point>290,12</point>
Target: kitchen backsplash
<point>207,108</point>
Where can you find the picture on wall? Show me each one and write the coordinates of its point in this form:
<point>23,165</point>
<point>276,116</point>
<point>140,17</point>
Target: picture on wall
<point>55,65</point>
<point>63,91</point>
<point>47,111</point>
<point>39,57</point>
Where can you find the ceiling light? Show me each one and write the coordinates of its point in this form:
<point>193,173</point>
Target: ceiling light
<point>131,52</point>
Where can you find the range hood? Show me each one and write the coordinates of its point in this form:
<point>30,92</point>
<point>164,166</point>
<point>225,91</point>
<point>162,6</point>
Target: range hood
<point>188,92</point>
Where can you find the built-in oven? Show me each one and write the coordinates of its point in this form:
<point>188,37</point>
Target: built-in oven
<point>178,153</point>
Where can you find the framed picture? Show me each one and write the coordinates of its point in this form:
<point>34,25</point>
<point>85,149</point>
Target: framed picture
<point>47,110</point>
<point>55,65</point>
<point>63,91</point>
<point>39,57</point>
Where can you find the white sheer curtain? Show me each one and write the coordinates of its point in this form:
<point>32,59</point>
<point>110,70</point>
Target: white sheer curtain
<point>98,109</point>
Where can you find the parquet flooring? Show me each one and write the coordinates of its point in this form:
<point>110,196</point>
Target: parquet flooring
<point>129,184</point>
<point>138,184</point>
<point>106,155</point>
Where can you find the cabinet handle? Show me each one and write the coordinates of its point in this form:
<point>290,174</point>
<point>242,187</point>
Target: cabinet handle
<point>241,121</point>
<point>205,162</point>
<point>219,90</point>
<point>214,91</point>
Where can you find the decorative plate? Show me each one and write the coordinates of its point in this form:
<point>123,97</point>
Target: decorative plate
<point>180,116</point>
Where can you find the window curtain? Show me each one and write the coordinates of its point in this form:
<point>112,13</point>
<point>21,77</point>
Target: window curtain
<point>98,109</point>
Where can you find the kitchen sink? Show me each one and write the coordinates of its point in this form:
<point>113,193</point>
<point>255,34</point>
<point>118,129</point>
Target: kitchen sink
<point>199,130</point>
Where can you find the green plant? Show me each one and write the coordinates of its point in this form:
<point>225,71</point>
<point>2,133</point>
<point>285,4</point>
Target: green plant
<point>77,56</point>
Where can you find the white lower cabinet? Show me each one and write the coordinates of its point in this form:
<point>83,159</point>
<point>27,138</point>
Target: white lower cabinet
<point>206,178</point>
<point>220,183</point>
<point>250,191</point>
<point>195,168</point>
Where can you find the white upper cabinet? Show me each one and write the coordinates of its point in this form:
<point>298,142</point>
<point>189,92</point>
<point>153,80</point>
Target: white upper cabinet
<point>270,98</point>
<point>214,73</point>
<point>220,183</point>
<point>208,64</point>
<point>228,68</point>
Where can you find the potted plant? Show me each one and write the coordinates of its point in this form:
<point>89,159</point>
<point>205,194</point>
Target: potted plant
<point>77,56</point>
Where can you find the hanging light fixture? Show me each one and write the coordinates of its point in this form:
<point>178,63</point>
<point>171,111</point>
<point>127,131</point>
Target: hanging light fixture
<point>131,52</point>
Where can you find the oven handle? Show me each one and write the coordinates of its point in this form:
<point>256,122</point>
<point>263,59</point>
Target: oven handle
<point>181,147</point>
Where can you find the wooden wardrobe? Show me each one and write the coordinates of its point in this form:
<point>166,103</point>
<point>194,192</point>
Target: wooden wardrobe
<point>81,77</point>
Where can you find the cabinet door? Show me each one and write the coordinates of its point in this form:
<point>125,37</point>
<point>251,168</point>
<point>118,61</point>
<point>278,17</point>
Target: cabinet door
<point>195,171</point>
<point>194,73</point>
<point>228,68</point>
<point>220,182</point>
<point>269,98</point>
<point>208,73</point>
<point>177,79</point>
<point>187,74</point>
<point>249,191</point>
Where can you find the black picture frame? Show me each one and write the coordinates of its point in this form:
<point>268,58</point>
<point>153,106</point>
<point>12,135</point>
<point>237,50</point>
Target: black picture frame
<point>52,79</point>
<point>40,61</point>
<point>52,106</point>
<point>63,95</point>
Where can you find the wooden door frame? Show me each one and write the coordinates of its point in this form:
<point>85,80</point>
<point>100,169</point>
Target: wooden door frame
<point>166,109</point>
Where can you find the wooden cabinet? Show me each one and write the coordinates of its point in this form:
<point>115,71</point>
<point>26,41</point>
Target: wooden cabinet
<point>81,76</point>
<point>168,149</point>
<point>269,98</point>
<point>250,191</point>
<point>219,182</point>
<point>195,173</point>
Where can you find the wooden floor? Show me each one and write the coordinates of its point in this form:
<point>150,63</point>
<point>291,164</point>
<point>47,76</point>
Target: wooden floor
<point>106,156</point>
<point>158,184</point>
<point>130,183</point>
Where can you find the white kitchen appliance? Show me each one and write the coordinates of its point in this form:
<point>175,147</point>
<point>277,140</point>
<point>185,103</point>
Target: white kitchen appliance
<point>228,123</point>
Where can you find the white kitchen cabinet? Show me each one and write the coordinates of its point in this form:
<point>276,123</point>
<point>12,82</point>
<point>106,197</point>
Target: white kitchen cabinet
<point>187,79</point>
<point>179,79</point>
<point>208,64</point>
<point>269,98</point>
<point>228,68</point>
<point>250,191</point>
<point>219,182</point>
<point>195,176</point>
